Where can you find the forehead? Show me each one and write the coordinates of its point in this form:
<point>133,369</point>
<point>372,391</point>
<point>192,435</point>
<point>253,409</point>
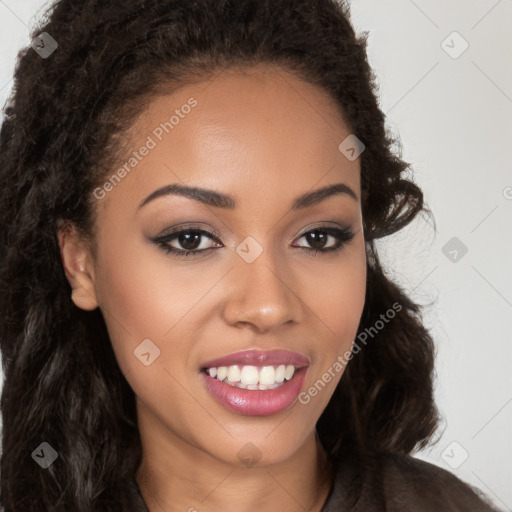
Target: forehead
<point>240,131</point>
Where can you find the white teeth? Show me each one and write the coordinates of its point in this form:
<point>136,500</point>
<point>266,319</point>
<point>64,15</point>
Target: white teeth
<point>234,373</point>
<point>288,374</point>
<point>249,375</point>
<point>222,372</point>
<point>252,377</point>
<point>280,373</point>
<point>267,375</point>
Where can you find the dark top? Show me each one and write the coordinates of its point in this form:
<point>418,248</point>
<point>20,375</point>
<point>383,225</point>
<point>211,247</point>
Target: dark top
<point>399,483</point>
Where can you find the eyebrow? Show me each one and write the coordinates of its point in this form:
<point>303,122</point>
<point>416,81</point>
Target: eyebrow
<point>219,200</point>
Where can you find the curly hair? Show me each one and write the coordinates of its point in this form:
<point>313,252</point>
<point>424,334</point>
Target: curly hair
<point>62,131</point>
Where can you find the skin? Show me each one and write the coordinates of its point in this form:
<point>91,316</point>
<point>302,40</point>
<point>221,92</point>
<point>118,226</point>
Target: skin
<point>264,137</point>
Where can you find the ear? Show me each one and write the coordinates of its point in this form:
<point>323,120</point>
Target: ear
<point>78,266</point>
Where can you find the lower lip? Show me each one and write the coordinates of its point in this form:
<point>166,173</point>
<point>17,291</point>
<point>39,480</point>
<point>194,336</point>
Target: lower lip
<point>256,402</point>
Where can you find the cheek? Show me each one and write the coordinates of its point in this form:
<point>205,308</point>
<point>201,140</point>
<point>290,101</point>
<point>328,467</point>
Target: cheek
<point>337,302</point>
<point>142,298</point>
<point>337,299</point>
<point>146,291</point>
<point>145,302</point>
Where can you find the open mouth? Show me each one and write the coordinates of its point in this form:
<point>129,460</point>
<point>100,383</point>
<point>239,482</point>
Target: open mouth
<point>253,378</point>
<point>256,382</point>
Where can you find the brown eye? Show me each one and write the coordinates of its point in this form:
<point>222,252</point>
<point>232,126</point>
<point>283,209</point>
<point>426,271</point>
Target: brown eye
<point>318,238</point>
<point>189,239</point>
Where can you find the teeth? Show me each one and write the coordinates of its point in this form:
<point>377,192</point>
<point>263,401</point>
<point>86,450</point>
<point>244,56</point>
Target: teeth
<point>222,372</point>
<point>249,375</point>
<point>234,374</point>
<point>288,374</point>
<point>252,377</point>
<point>280,373</point>
<point>267,375</point>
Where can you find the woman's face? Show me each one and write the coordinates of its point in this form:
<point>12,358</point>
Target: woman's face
<point>254,145</point>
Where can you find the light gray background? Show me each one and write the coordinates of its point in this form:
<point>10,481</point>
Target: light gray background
<point>453,114</point>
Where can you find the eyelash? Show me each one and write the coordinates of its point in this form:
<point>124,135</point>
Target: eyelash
<point>344,236</point>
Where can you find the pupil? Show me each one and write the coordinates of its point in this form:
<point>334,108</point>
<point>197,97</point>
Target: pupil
<point>189,241</point>
<point>316,239</point>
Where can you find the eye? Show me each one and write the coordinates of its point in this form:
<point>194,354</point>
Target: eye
<point>318,237</point>
<point>188,238</point>
<point>192,244</point>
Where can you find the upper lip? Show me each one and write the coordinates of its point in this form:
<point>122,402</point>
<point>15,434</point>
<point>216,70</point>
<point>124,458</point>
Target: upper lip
<point>256,357</point>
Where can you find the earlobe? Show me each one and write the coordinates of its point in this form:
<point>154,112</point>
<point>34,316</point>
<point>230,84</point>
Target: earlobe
<point>78,266</point>
<point>84,293</point>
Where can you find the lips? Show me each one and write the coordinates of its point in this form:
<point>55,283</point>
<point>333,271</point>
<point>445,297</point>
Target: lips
<point>251,401</point>
<point>259,358</point>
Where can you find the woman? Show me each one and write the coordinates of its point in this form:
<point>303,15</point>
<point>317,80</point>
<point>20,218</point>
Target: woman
<point>194,314</point>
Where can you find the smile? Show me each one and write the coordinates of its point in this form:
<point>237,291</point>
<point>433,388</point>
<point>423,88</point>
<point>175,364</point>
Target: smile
<point>256,383</point>
<point>253,377</point>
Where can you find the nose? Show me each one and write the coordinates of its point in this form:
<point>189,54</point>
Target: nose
<point>262,295</point>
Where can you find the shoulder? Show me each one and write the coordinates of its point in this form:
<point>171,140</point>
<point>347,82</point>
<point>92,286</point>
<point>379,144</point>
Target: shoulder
<point>406,478</point>
<point>401,483</point>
